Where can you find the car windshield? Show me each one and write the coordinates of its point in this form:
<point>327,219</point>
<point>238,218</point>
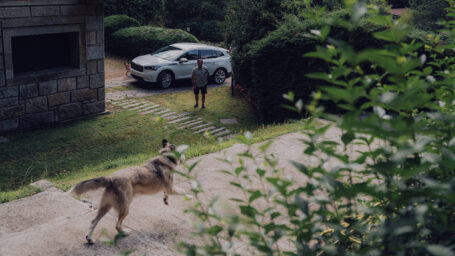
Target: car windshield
<point>168,53</point>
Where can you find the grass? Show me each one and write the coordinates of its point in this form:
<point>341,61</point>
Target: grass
<point>219,105</point>
<point>98,146</point>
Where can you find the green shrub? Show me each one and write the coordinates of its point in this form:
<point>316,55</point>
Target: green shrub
<point>145,11</point>
<point>376,182</point>
<point>210,30</point>
<point>399,3</point>
<point>273,65</point>
<point>427,13</point>
<point>134,41</point>
<point>114,23</point>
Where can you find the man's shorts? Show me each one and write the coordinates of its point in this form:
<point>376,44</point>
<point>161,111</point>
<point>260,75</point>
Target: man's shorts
<point>202,89</point>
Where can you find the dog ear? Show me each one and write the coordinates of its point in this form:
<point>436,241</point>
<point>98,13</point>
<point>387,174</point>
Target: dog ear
<point>164,143</point>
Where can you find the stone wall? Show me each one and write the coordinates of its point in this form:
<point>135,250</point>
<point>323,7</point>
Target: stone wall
<point>44,98</point>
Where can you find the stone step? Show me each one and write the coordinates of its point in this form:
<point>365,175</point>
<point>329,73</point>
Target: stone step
<point>163,111</point>
<point>228,137</point>
<point>168,114</point>
<point>151,111</point>
<point>218,130</point>
<point>205,129</point>
<point>121,103</point>
<point>132,105</point>
<point>178,120</point>
<point>193,120</point>
<point>190,124</point>
<point>201,126</point>
<point>219,134</point>
<point>149,108</point>
<point>176,116</point>
<point>146,105</point>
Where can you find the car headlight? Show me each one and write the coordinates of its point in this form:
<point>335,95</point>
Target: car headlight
<point>152,67</point>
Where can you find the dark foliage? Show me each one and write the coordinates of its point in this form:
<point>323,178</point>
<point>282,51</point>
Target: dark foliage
<point>114,23</point>
<point>145,11</point>
<point>134,41</point>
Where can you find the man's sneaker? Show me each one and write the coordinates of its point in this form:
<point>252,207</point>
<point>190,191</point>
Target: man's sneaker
<point>203,106</point>
<point>195,105</point>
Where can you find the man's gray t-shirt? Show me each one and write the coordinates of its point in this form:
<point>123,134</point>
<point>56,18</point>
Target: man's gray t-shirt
<point>200,76</point>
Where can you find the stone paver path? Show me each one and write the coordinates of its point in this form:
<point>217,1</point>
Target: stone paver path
<point>180,120</point>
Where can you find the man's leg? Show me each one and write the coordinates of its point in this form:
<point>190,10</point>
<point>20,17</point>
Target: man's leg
<point>203,92</point>
<point>196,96</point>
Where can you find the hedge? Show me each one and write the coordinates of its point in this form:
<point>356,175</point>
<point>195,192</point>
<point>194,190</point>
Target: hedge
<point>114,23</point>
<point>274,65</point>
<point>134,41</point>
<point>145,11</point>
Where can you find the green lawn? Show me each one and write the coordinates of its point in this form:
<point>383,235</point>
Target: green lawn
<point>219,105</point>
<point>100,145</point>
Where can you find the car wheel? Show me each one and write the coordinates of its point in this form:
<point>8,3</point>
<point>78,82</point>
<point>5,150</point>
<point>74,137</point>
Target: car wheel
<point>219,76</point>
<point>165,79</point>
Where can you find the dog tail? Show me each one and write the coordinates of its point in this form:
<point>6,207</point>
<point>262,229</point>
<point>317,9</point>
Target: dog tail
<point>92,184</point>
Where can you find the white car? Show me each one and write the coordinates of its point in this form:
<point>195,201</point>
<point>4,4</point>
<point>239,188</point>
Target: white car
<point>176,62</point>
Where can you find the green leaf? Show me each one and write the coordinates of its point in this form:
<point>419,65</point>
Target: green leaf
<point>248,210</point>
<point>214,230</point>
<point>260,172</point>
<point>347,137</point>
<point>254,195</point>
<point>440,250</point>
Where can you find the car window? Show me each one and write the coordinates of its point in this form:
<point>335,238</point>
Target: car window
<point>168,55</point>
<point>191,55</point>
<point>207,54</point>
<point>219,53</point>
<point>165,49</point>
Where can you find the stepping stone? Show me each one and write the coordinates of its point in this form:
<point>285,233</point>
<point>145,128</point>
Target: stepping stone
<point>121,103</point>
<point>190,124</point>
<point>149,107</point>
<point>168,114</point>
<point>219,134</point>
<point>140,107</point>
<point>229,121</point>
<point>162,112</point>
<point>151,111</point>
<point>201,126</point>
<point>228,137</point>
<point>205,129</point>
<point>178,120</point>
<point>132,105</point>
<point>198,119</point>
<point>175,116</point>
<point>218,130</point>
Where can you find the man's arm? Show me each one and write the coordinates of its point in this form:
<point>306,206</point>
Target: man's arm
<point>192,79</point>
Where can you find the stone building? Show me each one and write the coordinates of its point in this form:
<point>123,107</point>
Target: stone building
<point>51,61</point>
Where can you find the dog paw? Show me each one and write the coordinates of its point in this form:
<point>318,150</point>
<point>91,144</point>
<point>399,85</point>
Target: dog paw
<point>89,240</point>
<point>124,233</point>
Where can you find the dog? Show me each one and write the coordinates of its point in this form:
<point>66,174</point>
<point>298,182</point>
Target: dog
<point>120,187</point>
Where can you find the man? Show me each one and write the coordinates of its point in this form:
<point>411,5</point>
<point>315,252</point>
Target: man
<point>200,79</point>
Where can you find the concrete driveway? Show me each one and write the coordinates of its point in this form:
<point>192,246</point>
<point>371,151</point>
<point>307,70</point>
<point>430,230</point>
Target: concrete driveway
<point>142,89</point>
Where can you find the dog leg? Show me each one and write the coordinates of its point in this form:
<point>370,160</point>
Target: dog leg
<point>165,199</point>
<point>121,216</point>
<point>101,212</point>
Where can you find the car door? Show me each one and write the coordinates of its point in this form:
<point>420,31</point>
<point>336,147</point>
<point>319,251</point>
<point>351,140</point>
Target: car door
<point>183,70</point>
<point>209,57</point>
